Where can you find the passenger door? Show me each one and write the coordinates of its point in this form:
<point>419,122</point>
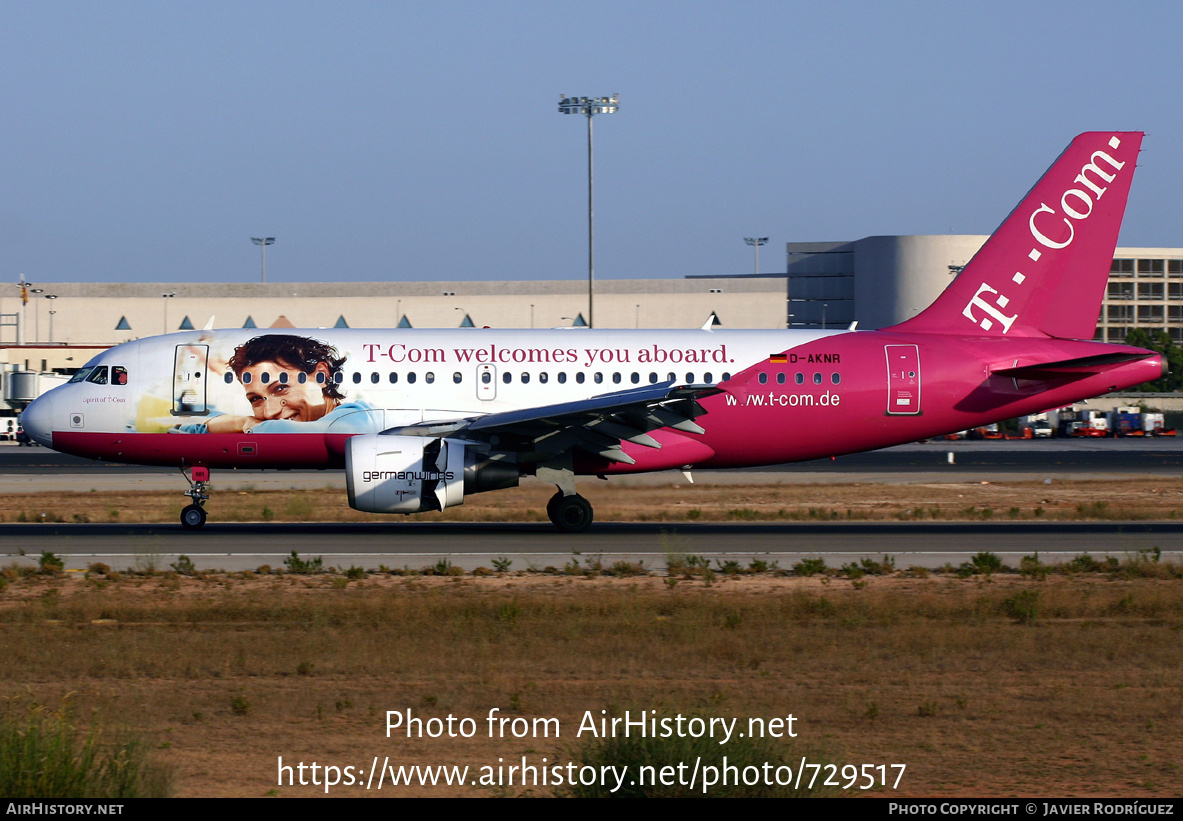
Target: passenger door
<point>189,377</point>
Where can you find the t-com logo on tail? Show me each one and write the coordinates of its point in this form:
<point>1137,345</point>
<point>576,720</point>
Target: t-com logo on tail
<point>1081,206</point>
<point>1076,204</point>
<point>993,310</point>
<point>1043,272</point>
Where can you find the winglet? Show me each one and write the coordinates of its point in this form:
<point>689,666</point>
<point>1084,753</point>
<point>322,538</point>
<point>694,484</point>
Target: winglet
<point>1044,270</point>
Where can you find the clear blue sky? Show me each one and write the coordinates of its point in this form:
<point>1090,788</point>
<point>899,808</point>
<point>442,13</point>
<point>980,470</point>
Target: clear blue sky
<point>412,141</point>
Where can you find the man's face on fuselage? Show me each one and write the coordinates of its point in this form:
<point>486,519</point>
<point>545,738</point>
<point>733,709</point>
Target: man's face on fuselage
<point>277,391</point>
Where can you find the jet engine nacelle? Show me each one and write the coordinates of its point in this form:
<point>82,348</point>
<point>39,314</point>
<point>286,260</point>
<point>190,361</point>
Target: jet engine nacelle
<point>410,474</point>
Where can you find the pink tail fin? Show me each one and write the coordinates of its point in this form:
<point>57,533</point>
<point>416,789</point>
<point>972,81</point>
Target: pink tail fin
<point>1044,270</point>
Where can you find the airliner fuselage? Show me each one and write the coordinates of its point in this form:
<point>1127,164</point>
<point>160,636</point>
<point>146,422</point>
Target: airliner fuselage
<point>420,418</point>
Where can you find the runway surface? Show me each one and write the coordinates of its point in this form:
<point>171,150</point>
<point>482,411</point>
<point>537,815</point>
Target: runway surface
<point>401,542</point>
<point>536,546</point>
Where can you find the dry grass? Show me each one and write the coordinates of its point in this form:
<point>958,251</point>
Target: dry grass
<point>992,686</point>
<point>618,500</point>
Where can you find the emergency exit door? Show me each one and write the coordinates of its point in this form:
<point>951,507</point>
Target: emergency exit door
<point>486,382</point>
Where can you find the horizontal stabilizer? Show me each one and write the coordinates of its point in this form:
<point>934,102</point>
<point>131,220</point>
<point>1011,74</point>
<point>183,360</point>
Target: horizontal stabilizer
<point>1066,367</point>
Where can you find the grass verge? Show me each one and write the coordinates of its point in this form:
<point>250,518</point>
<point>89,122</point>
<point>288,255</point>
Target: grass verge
<point>45,754</point>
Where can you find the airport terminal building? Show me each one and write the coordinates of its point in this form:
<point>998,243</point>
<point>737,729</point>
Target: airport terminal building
<point>880,281</point>
<point>876,281</point>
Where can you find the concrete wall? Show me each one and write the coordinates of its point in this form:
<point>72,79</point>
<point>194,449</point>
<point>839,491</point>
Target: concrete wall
<point>88,313</point>
<point>898,277</point>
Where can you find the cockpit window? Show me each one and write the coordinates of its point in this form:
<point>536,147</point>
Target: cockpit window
<point>98,376</point>
<point>81,375</point>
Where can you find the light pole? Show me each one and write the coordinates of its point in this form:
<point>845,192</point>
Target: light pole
<point>166,298</point>
<point>36,316</point>
<point>22,324</point>
<point>756,242</point>
<point>51,297</point>
<point>589,106</point>
<point>263,242</point>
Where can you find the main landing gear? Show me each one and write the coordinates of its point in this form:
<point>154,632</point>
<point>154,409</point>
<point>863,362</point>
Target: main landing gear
<point>570,514</point>
<point>567,510</point>
<point>193,516</point>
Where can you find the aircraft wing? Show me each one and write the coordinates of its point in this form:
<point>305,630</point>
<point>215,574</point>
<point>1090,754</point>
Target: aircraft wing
<point>597,425</point>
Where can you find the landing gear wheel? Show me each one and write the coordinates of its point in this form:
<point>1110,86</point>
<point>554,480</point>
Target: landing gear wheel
<point>570,514</point>
<point>193,517</point>
<point>552,505</point>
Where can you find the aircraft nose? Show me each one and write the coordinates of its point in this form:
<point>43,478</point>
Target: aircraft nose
<point>37,420</point>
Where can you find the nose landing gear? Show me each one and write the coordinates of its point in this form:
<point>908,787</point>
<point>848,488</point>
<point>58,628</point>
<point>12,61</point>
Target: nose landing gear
<point>193,516</point>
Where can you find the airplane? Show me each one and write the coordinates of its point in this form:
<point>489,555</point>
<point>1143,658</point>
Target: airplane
<point>420,419</point>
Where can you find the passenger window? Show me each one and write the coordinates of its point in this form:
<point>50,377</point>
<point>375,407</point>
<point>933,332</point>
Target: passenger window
<point>562,377</point>
<point>542,377</point>
<point>652,379</point>
<point>486,377</point>
<point>780,379</point>
<point>228,376</point>
<point>506,377</point>
<point>283,377</point>
<point>598,378</point>
<point>690,378</point>
<point>246,378</point>
<point>302,378</point>
<point>525,377</point>
<point>726,376</point>
<point>265,377</point>
<point>817,379</point>
<point>673,377</point>
<point>429,377</point>
<point>456,377</point>
<point>320,377</point>
<point>706,377</point>
<point>799,378</point>
<point>356,377</point>
<point>374,377</point>
<point>410,377</point>
<point>338,378</point>
<point>579,377</point>
<point>763,379</point>
<point>616,377</point>
<point>636,378</point>
<point>835,378</point>
<point>393,377</point>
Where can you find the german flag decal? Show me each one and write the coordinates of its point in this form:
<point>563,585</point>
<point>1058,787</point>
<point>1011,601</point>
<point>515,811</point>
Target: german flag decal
<point>778,359</point>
